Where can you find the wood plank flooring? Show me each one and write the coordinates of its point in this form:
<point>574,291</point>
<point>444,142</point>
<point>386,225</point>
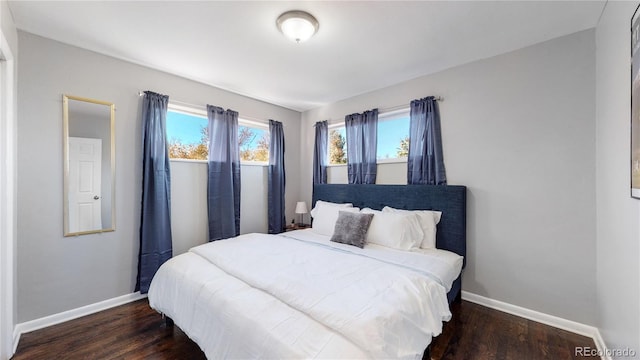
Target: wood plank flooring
<point>478,332</point>
<point>135,331</point>
<point>131,331</point>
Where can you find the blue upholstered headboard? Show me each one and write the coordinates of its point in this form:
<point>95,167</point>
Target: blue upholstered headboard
<point>450,199</point>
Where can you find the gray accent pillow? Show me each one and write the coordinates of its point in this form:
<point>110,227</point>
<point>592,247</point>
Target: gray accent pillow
<point>351,228</point>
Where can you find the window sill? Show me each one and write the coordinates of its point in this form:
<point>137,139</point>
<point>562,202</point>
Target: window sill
<point>379,162</point>
<point>392,161</point>
<point>189,161</point>
<point>253,163</point>
<point>242,163</point>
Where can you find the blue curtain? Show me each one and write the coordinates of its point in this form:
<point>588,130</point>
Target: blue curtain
<point>155,218</point>
<point>320,153</point>
<point>277,178</point>
<point>425,164</point>
<point>362,145</point>
<point>223,181</point>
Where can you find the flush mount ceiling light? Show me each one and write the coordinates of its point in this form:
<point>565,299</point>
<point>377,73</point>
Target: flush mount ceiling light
<point>297,25</point>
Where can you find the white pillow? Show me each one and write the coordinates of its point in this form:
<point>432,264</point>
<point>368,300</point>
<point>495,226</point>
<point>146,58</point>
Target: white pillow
<point>394,230</point>
<point>321,203</point>
<point>428,220</point>
<point>324,221</point>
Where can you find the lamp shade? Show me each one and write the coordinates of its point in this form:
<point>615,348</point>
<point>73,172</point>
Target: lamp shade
<point>301,207</point>
<point>297,25</point>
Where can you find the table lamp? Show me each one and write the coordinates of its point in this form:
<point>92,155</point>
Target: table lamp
<point>301,208</point>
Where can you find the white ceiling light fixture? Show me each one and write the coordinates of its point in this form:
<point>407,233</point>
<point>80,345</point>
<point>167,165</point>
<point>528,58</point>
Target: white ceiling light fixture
<point>297,25</point>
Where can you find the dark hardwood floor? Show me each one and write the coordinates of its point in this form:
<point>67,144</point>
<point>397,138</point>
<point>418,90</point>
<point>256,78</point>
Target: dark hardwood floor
<point>131,331</point>
<point>135,331</point>
<point>478,332</point>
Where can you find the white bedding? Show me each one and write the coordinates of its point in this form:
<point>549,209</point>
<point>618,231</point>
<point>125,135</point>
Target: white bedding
<point>442,265</point>
<point>297,295</point>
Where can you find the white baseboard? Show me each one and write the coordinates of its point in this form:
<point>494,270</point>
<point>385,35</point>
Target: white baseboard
<point>601,345</point>
<point>564,324</point>
<point>58,318</point>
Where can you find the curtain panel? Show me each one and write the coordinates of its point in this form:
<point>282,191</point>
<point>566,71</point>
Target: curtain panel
<point>155,217</point>
<point>320,152</point>
<point>223,180</point>
<point>362,145</point>
<point>425,163</point>
<point>277,178</point>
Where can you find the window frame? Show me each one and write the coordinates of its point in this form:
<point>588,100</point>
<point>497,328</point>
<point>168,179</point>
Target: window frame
<point>256,125</point>
<point>202,113</point>
<point>330,127</point>
<point>385,116</point>
<point>390,116</point>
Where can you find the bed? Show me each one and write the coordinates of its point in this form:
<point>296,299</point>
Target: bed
<point>299,295</point>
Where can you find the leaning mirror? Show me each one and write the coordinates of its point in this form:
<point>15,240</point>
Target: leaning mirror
<point>89,165</point>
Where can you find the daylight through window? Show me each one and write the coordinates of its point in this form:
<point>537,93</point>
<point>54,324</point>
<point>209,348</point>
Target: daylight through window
<point>393,139</point>
<point>337,146</point>
<point>188,137</point>
<point>393,135</point>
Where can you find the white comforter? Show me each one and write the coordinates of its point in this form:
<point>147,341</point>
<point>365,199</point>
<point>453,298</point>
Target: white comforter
<point>273,296</point>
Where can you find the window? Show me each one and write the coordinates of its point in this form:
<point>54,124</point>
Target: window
<point>393,138</point>
<point>253,142</point>
<point>393,135</point>
<point>188,136</point>
<point>337,145</point>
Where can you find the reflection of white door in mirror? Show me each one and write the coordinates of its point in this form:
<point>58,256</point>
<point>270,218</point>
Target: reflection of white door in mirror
<point>89,165</point>
<point>85,201</point>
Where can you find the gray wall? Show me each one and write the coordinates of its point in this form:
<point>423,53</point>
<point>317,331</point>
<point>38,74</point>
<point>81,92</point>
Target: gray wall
<point>57,273</point>
<point>189,198</point>
<point>388,173</point>
<point>518,130</point>
<point>618,224</point>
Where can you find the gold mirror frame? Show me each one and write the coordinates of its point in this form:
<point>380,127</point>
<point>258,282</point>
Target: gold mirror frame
<point>106,205</point>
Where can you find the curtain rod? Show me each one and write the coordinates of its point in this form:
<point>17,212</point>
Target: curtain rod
<point>404,106</point>
<point>204,108</point>
<point>384,111</point>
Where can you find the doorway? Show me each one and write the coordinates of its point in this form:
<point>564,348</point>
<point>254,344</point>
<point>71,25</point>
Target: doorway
<point>8,225</point>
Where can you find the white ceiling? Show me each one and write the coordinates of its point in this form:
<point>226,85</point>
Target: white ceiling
<point>360,46</point>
